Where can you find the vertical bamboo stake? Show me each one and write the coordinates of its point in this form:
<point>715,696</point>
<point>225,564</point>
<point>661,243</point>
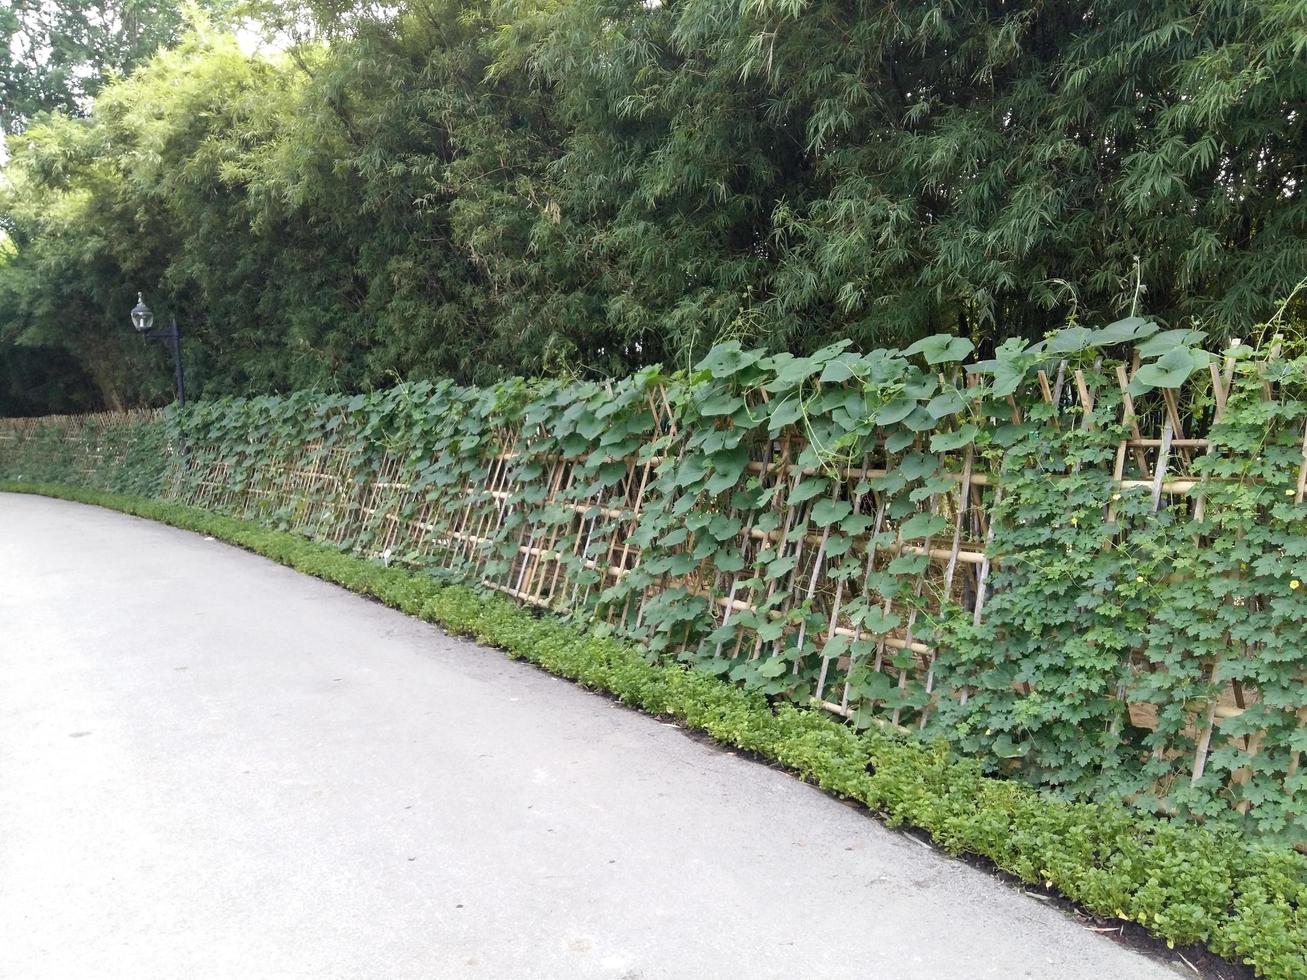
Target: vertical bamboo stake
<point>839,594</point>
<point>812,579</point>
<point>866,585</point>
<point>949,570</point>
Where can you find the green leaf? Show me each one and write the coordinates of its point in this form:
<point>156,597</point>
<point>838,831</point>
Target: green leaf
<point>856,523</point>
<point>948,403</point>
<point>920,420</point>
<point>809,487</point>
<point>945,441</point>
<point>692,469</point>
<point>908,565</point>
<point>726,360</point>
<point>1011,362</point>
<point>1131,328</point>
<point>871,685</point>
<point>729,466</point>
<point>1172,369</point>
<point>674,537</point>
<point>1070,340</point>
<point>721,404</point>
<point>876,620</point>
<point>826,512</point>
<point>1169,340</point>
<point>917,466</point>
<point>923,526</point>
<point>835,647</point>
<point>840,369</point>
<point>681,564</point>
<point>1005,748</point>
<point>724,527</point>
<point>728,560</point>
<point>895,411</point>
<point>783,565</point>
<point>786,412</point>
<point>898,441</point>
<point>791,371</point>
<point>941,349</point>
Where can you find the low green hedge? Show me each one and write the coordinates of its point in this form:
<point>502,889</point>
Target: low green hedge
<point>1183,883</point>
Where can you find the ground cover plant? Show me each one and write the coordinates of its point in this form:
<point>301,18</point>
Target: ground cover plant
<point>1185,884</point>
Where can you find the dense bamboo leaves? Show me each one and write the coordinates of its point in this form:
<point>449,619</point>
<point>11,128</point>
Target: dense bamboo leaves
<point>583,188</point>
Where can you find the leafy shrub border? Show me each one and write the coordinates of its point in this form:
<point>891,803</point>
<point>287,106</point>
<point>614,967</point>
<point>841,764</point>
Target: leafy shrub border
<point>1185,884</point>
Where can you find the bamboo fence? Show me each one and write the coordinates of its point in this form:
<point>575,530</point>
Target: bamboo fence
<point>567,547</point>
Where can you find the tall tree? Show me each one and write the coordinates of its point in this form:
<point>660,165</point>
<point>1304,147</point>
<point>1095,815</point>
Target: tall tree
<point>55,55</point>
<point>498,186</point>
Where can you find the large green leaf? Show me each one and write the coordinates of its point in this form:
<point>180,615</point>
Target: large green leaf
<point>947,403</point>
<point>723,403</point>
<point>923,526</point>
<point>945,441</point>
<point>825,512</point>
<point>876,620</point>
<point>941,349</point>
<point>1130,328</point>
<point>1169,340</point>
<point>729,466</point>
<point>809,487</point>
<point>1171,370</point>
<point>841,369</point>
<point>727,359</point>
<point>1070,340</point>
<point>785,412</point>
<point>895,411</point>
<point>920,420</point>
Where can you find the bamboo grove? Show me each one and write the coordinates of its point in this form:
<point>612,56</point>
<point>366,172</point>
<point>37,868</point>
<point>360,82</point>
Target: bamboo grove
<point>1080,560</point>
<point>480,189</point>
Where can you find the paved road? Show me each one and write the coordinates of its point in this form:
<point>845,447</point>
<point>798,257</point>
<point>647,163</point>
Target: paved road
<point>211,766</point>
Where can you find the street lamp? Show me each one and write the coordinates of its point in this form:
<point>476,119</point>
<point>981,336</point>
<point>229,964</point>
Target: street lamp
<point>170,337</point>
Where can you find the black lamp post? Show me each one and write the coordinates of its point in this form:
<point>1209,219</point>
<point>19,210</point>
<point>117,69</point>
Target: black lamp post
<point>170,337</point>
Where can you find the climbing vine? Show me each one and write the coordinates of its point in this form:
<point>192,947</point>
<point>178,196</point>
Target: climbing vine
<point>1078,560</point>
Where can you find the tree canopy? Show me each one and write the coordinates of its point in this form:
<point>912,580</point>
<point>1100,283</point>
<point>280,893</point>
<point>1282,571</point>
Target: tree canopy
<point>58,55</point>
<point>521,186</point>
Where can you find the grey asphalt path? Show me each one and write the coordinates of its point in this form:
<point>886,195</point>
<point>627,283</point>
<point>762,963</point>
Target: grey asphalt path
<point>212,766</point>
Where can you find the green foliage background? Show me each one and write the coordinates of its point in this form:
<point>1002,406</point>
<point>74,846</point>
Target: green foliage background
<point>473,190</point>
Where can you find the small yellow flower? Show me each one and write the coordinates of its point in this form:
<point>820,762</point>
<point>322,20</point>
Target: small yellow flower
<point>1294,584</point>
<point>1074,522</point>
<point>1139,578</point>
<point>1289,493</point>
<point>1116,496</point>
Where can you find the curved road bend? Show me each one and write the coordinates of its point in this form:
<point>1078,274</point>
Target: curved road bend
<point>212,766</point>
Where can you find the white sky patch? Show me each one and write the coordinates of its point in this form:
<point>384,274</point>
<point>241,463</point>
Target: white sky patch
<point>254,39</point>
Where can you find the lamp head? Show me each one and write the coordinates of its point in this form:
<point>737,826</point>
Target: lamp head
<point>142,316</point>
